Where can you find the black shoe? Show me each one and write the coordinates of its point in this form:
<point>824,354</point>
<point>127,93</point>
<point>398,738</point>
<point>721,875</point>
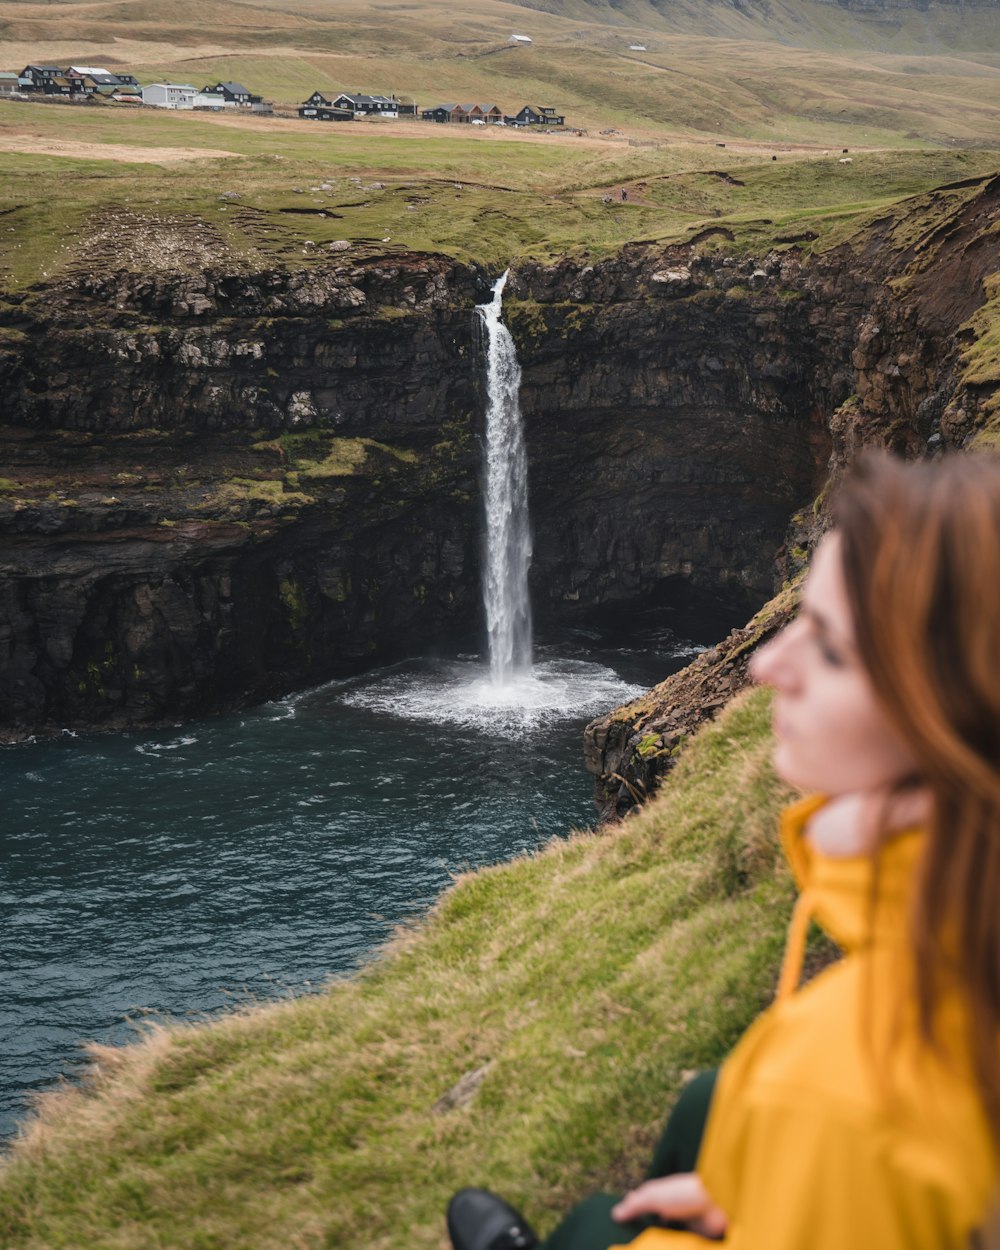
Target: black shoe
<point>479,1220</point>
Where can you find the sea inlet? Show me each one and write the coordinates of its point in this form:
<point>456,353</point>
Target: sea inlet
<point>173,873</point>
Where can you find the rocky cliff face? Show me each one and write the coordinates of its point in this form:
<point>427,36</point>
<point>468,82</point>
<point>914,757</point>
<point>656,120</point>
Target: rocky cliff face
<point>220,486</point>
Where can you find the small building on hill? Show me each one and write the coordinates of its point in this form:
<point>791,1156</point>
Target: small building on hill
<point>233,94</point>
<point>82,84</point>
<point>60,85</point>
<point>368,105</point>
<point>99,81</point>
<point>34,77</point>
<point>487,114</point>
<point>10,84</point>
<point>127,93</point>
<point>111,78</point>
<point>520,39</point>
<point>444,113</point>
<point>320,108</point>
<point>170,95</point>
<point>536,115</point>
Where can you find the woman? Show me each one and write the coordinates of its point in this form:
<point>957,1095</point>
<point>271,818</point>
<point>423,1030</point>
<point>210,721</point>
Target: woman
<point>862,1111</point>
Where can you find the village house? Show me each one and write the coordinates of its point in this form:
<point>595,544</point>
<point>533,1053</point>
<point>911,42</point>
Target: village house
<point>320,108</point>
<point>59,86</point>
<point>34,77</point>
<point>97,78</point>
<point>82,84</point>
<point>234,94</point>
<point>10,84</point>
<point>127,94</point>
<point>444,113</point>
<point>346,107</point>
<point>211,103</point>
<point>483,114</point>
<point>100,70</point>
<point>472,114</point>
<point>536,115</point>
<point>368,105</point>
<point>170,95</point>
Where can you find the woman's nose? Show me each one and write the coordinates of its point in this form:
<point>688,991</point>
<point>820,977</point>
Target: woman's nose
<point>773,664</point>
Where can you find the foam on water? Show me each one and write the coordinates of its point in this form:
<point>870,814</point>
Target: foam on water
<point>463,693</point>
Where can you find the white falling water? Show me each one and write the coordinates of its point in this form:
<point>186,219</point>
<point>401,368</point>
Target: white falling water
<point>514,697</point>
<point>508,536</point>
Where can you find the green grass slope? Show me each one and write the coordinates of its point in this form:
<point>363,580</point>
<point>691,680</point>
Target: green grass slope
<point>580,985</point>
<point>81,174</point>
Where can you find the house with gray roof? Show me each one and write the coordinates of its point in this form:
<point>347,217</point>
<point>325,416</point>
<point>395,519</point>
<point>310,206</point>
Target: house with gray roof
<point>233,94</point>
<point>368,105</point>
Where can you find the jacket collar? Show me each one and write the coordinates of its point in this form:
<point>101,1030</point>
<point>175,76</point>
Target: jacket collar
<point>860,900</point>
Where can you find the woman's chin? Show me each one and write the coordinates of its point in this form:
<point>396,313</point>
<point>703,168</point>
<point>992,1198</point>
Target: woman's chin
<point>791,770</point>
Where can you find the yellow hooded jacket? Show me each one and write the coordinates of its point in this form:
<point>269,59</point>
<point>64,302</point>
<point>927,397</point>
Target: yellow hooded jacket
<point>833,1127</point>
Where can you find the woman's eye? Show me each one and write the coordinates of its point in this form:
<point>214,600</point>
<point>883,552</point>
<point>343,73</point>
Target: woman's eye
<point>830,656</point>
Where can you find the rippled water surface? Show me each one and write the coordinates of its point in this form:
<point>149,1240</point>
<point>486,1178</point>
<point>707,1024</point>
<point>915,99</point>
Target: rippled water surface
<point>178,871</point>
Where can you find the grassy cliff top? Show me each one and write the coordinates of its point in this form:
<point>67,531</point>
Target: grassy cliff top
<point>98,189</point>
<point>574,989</point>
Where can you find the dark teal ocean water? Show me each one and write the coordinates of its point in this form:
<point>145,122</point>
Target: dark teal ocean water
<point>177,872</point>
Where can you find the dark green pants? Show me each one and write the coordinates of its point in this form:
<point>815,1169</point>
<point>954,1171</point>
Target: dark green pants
<point>589,1225</point>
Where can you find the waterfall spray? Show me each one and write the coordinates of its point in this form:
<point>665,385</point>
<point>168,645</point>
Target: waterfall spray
<point>508,537</point>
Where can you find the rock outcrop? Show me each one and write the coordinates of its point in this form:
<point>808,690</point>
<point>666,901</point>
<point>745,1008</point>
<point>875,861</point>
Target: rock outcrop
<point>924,377</point>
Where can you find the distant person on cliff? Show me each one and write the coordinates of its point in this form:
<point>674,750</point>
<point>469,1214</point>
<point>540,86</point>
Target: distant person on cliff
<point>861,1111</point>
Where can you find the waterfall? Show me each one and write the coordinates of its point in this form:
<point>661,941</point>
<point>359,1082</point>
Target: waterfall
<point>508,537</point>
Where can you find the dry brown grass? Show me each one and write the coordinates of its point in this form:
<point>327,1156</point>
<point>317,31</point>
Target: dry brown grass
<point>127,153</point>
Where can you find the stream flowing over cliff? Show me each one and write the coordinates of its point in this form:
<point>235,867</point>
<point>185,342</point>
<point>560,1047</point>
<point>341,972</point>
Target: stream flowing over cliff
<point>223,486</point>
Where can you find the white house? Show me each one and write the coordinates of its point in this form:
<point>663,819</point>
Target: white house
<point>170,95</point>
<point>520,39</point>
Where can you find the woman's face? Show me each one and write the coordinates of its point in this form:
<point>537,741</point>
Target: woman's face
<point>830,732</point>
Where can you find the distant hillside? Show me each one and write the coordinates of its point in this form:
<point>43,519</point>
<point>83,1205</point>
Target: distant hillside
<point>868,25</point>
<point>775,71</point>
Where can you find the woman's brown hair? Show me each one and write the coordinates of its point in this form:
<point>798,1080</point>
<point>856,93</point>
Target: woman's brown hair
<point>921,555</point>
